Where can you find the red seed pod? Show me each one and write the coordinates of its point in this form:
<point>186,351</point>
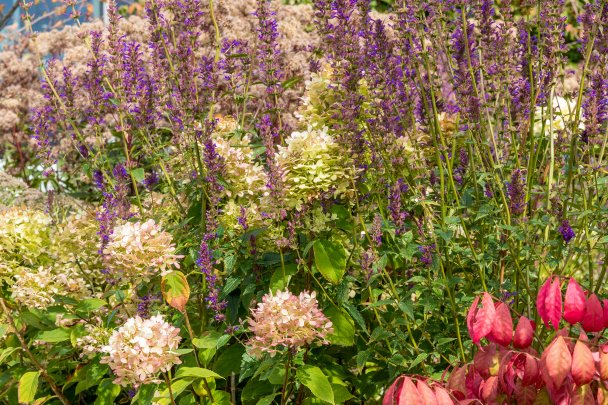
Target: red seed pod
<point>481,320</point>
<point>553,303</point>
<point>605,302</point>
<point>583,365</point>
<point>575,303</point>
<point>426,393</point>
<point>594,315</point>
<point>540,302</point>
<point>502,329</point>
<point>524,333</point>
<point>556,362</point>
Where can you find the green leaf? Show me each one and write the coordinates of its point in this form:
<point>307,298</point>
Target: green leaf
<point>343,325</point>
<point>90,375</point>
<point>90,305</point>
<point>317,382</point>
<point>267,400</point>
<point>276,281</point>
<point>138,174</point>
<point>419,359</point>
<point>176,290</point>
<point>229,361</point>
<point>330,259</point>
<point>145,394</point>
<point>107,392</point>
<point>54,336</point>
<point>196,372</point>
<point>4,354</point>
<point>230,285</point>
<point>177,387</point>
<point>28,385</point>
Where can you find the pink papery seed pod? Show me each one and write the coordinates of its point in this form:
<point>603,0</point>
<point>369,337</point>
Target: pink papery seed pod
<point>502,328</point>
<point>426,393</point>
<point>583,365</point>
<point>481,320</point>
<point>553,304</point>
<point>524,333</point>
<point>603,363</point>
<point>556,362</point>
<point>605,302</point>
<point>575,303</point>
<point>540,301</point>
<point>594,315</point>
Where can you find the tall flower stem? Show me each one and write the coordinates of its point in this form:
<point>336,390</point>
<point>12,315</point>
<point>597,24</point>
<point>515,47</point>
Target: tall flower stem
<point>284,393</point>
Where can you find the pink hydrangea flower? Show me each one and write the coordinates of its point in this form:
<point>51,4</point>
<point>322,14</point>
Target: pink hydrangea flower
<point>140,349</point>
<point>284,320</point>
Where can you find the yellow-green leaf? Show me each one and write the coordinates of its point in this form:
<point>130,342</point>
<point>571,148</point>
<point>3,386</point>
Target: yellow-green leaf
<point>176,290</point>
<point>28,385</point>
<point>330,260</point>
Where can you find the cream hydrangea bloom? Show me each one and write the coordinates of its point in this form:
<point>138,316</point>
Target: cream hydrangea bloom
<point>313,163</point>
<point>564,114</point>
<point>283,320</point>
<point>25,236</point>
<point>319,98</point>
<point>36,288</point>
<point>138,251</point>
<point>140,349</point>
<point>96,337</point>
<point>244,176</point>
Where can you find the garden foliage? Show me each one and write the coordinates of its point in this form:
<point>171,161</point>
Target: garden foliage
<point>231,248</point>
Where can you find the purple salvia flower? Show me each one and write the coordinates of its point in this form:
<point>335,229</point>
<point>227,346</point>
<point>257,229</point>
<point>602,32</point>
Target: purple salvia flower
<point>242,218</point>
<point>206,263</point>
<point>516,193</point>
<point>398,215</point>
<point>566,230</point>
<point>426,252</point>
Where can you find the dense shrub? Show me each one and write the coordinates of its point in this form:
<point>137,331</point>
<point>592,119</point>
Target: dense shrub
<point>246,248</point>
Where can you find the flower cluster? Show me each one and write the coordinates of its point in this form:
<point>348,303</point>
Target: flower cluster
<point>140,349</point>
<point>313,164</point>
<point>37,288</point>
<point>95,338</point>
<point>244,176</point>
<point>564,116</point>
<point>24,237</point>
<point>283,320</point>
<point>137,251</point>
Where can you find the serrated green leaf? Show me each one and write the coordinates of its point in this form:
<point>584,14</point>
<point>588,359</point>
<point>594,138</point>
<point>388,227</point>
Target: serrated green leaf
<point>54,336</point>
<point>138,174</point>
<point>330,260</point>
<point>317,382</point>
<point>196,372</point>
<point>107,392</point>
<point>28,385</point>
<point>343,326</point>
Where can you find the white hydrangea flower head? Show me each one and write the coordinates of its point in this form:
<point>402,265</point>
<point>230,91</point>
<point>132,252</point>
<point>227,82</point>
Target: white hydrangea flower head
<point>313,163</point>
<point>96,337</point>
<point>138,251</point>
<point>244,176</point>
<point>25,236</point>
<point>140,349</point>
<point>564,114</point>
<point>319,98</point>
<point>283,320</point>
<point>37,288</point>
